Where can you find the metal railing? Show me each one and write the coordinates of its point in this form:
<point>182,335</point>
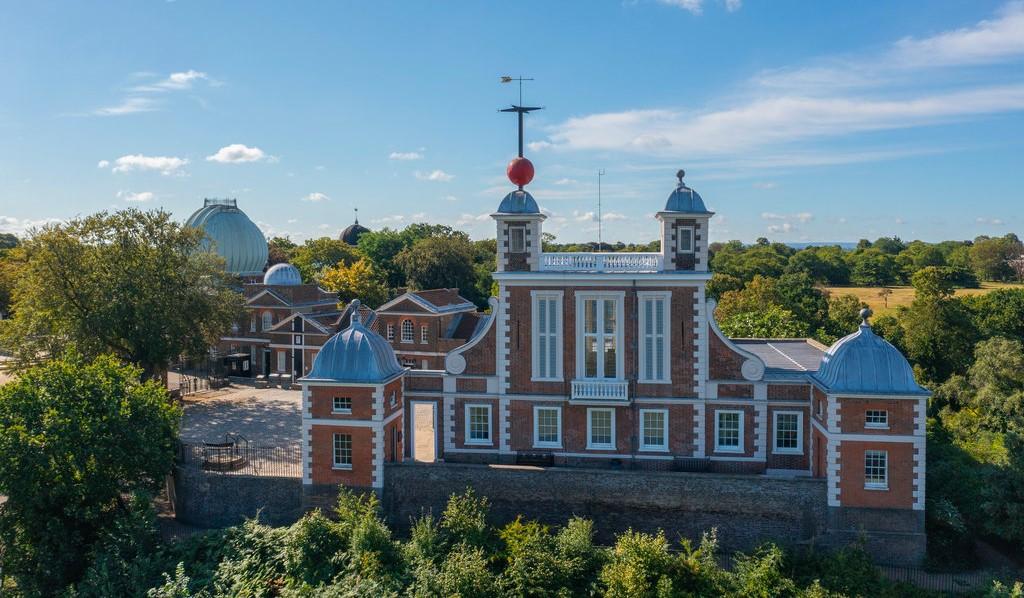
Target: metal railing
<point>601,262</point>
<point>600,390</point>
<point>241,458</point>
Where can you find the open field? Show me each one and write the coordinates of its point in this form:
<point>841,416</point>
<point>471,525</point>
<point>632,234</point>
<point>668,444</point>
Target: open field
<point>903,295</point>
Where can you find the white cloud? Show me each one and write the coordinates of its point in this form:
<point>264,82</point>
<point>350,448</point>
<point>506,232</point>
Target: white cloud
<point>465,219</point>
<point>986,42</point>
<point>765,185</point>
<point>612,216</point>
<point>405,156</point>
<point>238,153</point>
<point>19,226</point>
<point>175,81</point>
<point>316,197</point>
<point>450,198</point>
<point>140,197</point>
<point>163,164</point>
<point>803,217</point>
<point>767,121</point>
<point>536,146</point>
<point>733,5</point>
<point>694,6</point>
<point>130,105</point>
<point>566,181</point>
<point>785,227</point>
<point>989,221</point>
<point>434,175</point>
<point>292,220</point>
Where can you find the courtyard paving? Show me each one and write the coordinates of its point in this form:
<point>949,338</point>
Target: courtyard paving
<point>269,417</point>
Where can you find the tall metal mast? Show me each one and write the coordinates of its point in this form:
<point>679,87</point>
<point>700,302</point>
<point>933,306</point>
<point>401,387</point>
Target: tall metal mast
<point>519,108</point>
<point>600,244</point>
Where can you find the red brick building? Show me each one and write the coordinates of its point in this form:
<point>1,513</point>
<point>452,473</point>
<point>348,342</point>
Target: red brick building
<point>615,360</point>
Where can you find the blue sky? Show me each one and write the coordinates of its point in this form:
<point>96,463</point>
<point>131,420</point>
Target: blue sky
<point>795,120</point>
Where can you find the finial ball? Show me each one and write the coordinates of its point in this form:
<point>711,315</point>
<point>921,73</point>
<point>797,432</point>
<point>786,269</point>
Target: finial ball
<point>520,171</point>
<point>680,174</point>
<point>865,314</point>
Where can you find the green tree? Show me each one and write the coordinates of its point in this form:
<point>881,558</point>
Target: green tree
<point>8,241</point>
<point>76,438</point>
<point>990,257</point>
<point>437,262</point>
<point>872,268</point>
<point>998,313</point>
<point>997,377</point>
<point>358,281</point>
<point>135,284</point>
<point>722,283</point>
<point>315,256</point>
<point>918,255</point>
<point>938,334</point>
<point>823,264</point>
<point>768,322</point>
<point>280,249</point>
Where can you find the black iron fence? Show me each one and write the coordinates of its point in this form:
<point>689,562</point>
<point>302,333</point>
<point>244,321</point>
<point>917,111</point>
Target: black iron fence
<point>241,458</point>
<point>961,582</point>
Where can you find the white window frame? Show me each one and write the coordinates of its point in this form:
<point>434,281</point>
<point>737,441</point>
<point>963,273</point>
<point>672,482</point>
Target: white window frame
<point>267,320</point>
<point>691,234</point>
<point>555,371</point>
<point>411,329</point>
<point>513,242</point>
<point>341,410</point>
<point>718,425</point>
<point>883,485</point>
<point>252,323</point>
<point>665,333</point>
<point>591,445</point>
<point>467,439</point>
<point>282,361</point>
<point>581,298</point>
<point>537,443</point>
<point>424,334</point>
<point>663,447</point>
<point>776,449</point>
<point>391,331</point>
<point>882,425</point>
<point>335,462</point>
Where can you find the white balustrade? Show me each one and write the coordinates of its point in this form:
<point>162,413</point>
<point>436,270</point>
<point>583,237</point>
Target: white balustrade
<point>600,262</point>
<point>600,390</point>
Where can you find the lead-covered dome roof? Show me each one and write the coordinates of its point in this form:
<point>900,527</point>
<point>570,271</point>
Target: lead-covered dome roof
<point>356,354</point>
<point>518,202</point>
<point>282,275</point>
<point>352,233</point>
<point>232,235</point>
<point>865,363</point>
<point>684,199</point>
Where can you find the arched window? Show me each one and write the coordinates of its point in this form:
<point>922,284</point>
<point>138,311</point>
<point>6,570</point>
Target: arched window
<point>424,334</point>
<point>407,329</point>
<point>268,320</point>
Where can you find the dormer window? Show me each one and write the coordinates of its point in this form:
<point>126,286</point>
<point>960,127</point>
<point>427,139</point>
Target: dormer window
<point>517,239</point>
<point>684,237</point>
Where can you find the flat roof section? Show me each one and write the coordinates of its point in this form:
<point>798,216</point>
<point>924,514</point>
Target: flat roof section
<point>785,357</point>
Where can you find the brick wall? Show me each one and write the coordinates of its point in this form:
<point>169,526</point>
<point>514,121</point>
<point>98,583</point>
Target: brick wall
<point>853,411</point>
<point>460,422</point>
<point>789,392</point>
<point>736,391</point>
<point>322,401</point>
<point>681,349</point>
<point>724,363</point>
<point>322,449</point>
<point>901,475</point>
<point>480,358</point>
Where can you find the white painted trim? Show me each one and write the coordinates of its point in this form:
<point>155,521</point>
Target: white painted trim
<point>666,335</point>
<point>559,333</point>
<point>466,440</point>
<point>620,299</point>
<point>742,424</point>
<point>559,278</point>
<point>352,423</point>
<point>693,240</point>
<point>699,423</point>
<point>852,436</point>
<point>536,427</point>
<point>600,447</point>
<point>799,450</point>
<point>664,431</point>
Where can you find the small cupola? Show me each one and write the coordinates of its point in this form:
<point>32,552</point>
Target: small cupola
<point>684,229</point>
<point>356,354</point>
<point>282,275</point>
<point>865,363</point>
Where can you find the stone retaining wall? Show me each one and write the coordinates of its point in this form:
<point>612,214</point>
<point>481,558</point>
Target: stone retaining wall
<point>747,510</point>
<point>207,499</point>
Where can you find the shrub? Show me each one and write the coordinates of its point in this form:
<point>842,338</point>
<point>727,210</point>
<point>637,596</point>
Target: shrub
<point>314,551</point>
<point>465,520</point>
<point>465,574</point>
<point>639,565</point>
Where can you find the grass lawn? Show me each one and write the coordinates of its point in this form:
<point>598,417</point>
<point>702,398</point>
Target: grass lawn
<point>903,295</point>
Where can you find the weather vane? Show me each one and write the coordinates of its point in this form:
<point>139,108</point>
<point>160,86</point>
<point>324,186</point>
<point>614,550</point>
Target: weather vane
<point>519,108</point>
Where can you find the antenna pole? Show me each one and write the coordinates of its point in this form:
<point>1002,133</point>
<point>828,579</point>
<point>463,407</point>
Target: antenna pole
<point>600,244</point>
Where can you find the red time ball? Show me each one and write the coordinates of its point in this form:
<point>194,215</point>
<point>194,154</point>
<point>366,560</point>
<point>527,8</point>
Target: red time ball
<point>520,171</point>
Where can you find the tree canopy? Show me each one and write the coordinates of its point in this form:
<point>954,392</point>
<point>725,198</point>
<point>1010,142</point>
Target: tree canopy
<point>76,437</point>
<point>132,283</point>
